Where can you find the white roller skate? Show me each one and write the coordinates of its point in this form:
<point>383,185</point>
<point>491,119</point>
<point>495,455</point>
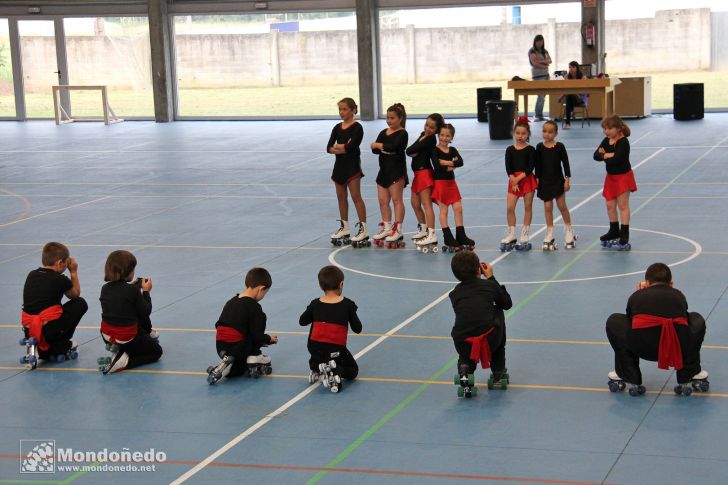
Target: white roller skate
<point>258,365</point>
<point>523,243</point>
<point>329,378</point>
<point>217,372</point>
<point>385,230</point>
<point>361,239</point>
<point>30,359</point>
<point>118,363</point>
<point>395,239</point>
<point>428,243</point>
<point>421,232</point>
<point>549,243</point>
<point>314,377</point>
<point>508,243</point>
<point>341,236</point>
<point>699,383</point>
<point>569,237</point>
<point>616,384</point>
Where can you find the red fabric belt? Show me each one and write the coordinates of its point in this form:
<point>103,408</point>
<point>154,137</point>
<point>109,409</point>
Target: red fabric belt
<point>480,351</point>
<point>330,333</point>
<point>669,352</point>
<point>34,323</point>
<point>229,334</point>
<point>116,333</point>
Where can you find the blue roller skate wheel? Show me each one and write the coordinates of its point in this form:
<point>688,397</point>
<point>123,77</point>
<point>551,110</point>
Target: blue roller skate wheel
<point>73,355</point>
<point>32,359</point>
<point>678,389</point>
<point>22,342</point>
<point>59,358</point>
<point>687,390</point>
<point>23,360</point>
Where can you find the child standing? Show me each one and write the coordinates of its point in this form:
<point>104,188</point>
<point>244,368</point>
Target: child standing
<point>446,159</point>
<point>520,163</point>
<point>125,310</point>
<point>553,183</point>
<point>619,182</point>
<point>479,333</point>
<point>420,151</point>
<point>657,327</point>
<point>330,318</point>
<point>43,317</point>
<point>390,145</point>
<point>344,143</point>
<point>240,330</point>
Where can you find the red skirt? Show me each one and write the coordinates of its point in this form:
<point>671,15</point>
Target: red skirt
<point>423,180</point>
<point>525,186</point>
<point>616,185</point>
<point>446,192</point>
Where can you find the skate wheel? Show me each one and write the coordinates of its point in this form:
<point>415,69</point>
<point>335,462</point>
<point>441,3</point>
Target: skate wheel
<point>504,384</point>
<point>456,379</point>
<point>23,360</point>
<point>474,391</point>
<point>435,249</point>
<point>641,390</point>
<point>678,389</point>
<point>60,358</point>
<point>687,391</point>
<point>614,386</point>
<point>211,380</point>
<point>210,368</point>
<point>491,383</point>
<point>74,355</point>
<point>471,379</point>
<point>424,250</point>
<point>22,342</point>
<point>461,392</point>
<point>701,386</point>
<point>268,370</point>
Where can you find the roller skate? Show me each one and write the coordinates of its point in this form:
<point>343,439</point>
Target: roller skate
<point>428,243</point>
<point>611,238</point>
<point>70,354</point>
<point>699,383</point>
<point>117,363</point>
<point>258,365</point>
<point>385,230</point>
<point>569,237</point>
<point>314,377</point>
<point>465,382</point>
<point>328,375</point>
<point>30,359</point>
<point>154,334</point>
<point>499,380</point>
<point>549,243</point>
<point>421,232</point>
<point>341,236</point>
<point>361,239</point>
<point>395,239</point>
<point>104,361</point>
<point>217,372</point>
<point>617,384</point>
<point>451,244</point>
<point>523,243</point>
<point>508,243</point>
<point>463,240</point>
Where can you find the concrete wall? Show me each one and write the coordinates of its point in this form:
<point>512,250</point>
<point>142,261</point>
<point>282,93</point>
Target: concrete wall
<point>676,40</point>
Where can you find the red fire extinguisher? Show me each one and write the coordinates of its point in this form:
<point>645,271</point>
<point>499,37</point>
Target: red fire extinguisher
<point>589,32</point>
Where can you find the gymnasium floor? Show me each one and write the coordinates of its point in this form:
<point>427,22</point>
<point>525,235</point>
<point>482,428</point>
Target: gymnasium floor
<point>199,203</point>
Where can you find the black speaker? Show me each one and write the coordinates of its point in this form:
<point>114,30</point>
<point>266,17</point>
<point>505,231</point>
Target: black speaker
<point>502,114</point>
<point>485,95</point>
<point>688,101</point>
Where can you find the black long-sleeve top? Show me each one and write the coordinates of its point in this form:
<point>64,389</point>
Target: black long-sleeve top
<point>658,300</point>
<point>342,313</point>
<point>618,164</point>
<point>44,288</point>
<point>392,158</point>
<point>421,150</point>
<point>523,160</point>
<point>245,315</point>
<point>441,171</point>
<point>476,302</point>
<point>124,304</point>
<point>351,137</point>
<point>549,161</point>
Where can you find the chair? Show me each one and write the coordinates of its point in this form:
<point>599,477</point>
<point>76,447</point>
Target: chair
<point>582,107</point>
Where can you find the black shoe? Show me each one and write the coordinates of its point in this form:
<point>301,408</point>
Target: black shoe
<point>613,232</point>
<point>624,234</point>
<point>462,239</point>
<point>447,237</point>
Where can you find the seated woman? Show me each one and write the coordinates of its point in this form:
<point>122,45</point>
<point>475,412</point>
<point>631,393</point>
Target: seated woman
<point>572,100</point>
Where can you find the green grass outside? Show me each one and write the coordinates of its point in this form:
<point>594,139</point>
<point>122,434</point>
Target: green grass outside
<point>321,100</point>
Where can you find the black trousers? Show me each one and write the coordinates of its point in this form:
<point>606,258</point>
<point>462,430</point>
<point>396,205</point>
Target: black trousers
<point>143,349</point>
<point>497,342</point>
<point>58,333</point>
<point>346,366</point>
<point>241,351</point>
<point>632,345</point>
<point>571,101</point>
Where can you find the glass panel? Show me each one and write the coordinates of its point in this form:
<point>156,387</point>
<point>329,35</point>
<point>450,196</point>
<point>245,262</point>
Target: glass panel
<point>435,59</point>
<point>288,64</point>
<point>7,96</point>
<point>38,52</point>
<point>111,51</point>
<point>673,41</point>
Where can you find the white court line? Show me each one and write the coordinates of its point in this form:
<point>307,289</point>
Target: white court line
<point>193,471</point>
<point>54,211</point>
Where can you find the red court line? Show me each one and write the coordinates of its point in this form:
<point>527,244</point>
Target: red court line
<point>27,206</point>
<point>363,471</point>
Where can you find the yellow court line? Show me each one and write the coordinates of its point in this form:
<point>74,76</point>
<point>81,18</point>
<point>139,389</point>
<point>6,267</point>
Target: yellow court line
<point>363,379</point>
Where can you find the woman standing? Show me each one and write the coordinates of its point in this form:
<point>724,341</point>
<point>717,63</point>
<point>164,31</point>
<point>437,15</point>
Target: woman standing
<point>540,60</point>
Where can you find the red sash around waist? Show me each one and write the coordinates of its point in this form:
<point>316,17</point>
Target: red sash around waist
<point>480,351</point>
<point>34,323</point>
<point>330,333</point>
<point>669,352</point>
<point>120,334</point>
<point>229,334</point>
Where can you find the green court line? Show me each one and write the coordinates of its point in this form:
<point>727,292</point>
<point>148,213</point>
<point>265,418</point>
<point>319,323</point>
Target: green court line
<point>414,395</point>
<point>29,481</point>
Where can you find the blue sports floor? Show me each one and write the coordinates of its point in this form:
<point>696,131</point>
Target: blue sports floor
<point>199,203</point>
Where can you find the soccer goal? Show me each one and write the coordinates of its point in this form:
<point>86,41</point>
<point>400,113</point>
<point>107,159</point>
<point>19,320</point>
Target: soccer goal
<point>62,117</point>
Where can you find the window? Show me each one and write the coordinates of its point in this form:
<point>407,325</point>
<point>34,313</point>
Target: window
<point>7,94</point>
